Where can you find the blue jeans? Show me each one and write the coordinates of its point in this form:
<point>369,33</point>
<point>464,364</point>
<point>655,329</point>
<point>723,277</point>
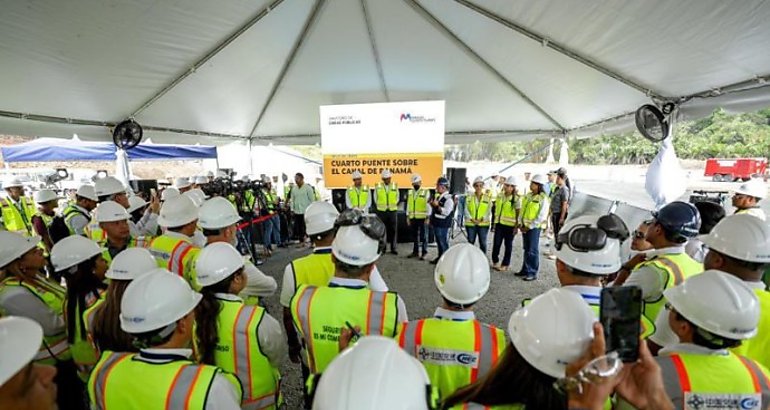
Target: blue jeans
<point>419,235</point>
<point>531,263</point>
<point>272,230</point>
<point>442,239</point>
<point>503,236</point>
<point>479,232</point>
<point>461,211</point>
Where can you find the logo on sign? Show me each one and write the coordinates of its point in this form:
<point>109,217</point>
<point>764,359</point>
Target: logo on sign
<point>415,118</point>
<point>722,401</point>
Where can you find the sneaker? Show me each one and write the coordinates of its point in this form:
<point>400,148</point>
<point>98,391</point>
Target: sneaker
<point>519,274</point>
<point>412,255</point>
<point>530,278</point>
<point>434,261</point>
<point>393,252</point>
<point>422,257</point>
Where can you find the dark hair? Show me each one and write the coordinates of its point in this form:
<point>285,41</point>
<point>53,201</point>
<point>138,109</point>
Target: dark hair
<point>752,266</point>
<point>212,232</point>
<point>106,326</point>
<point>672,236</point>
<point>206,314</point>
<point>457,305</point>
<point>351,271</point>
<point>79,284</point>
<point>578,272</point>
<point>323,235</point>
<point>79,198</point>
<point>710,215</point>
<point>512,381</point>
<point>702,337</point>
<point>137,215</point>
<point>299,174</point>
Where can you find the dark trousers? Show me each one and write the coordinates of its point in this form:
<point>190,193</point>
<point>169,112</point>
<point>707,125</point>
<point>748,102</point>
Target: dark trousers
<point>503,234</point>
<point>419,235</point>
<point>555,218</point>
<point>442,239</point>
<point>531,263</point>
<point>299,227</point>
<point>390,219</point>
<point>480,232</point>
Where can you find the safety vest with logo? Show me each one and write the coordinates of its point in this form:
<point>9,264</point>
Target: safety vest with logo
<point>358,196</point>
<point>316,269</point>
<point>387,200</point>
<point>713,381</point>
<point>15,221</point>
<point>124,381</point>
<point>758,347</point>
<point>676,267</point>
<point>55,347</point>
<point>505,209</point>
<point>138,242</point>
<point>417,204</point>
<point>238,352</point>
<point>454,353</point>
<point>83,351</point>
<point>70,212</point>
<point>531,206</point>
<point>178,255</point>
<point>95,232</point>
<point>478,208</point>
<point>319,313</point>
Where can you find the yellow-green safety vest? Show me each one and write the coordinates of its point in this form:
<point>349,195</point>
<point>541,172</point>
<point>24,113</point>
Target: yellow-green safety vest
<point>138,242</point>
<point>178,255</point>
<point>505,210</point>
<point>758,347</point>
<point>358,196</point>
<point>238,352</point>
<point>319,313</point>
<point>270,199</point>
<point>89,315</point>
<point>387,200</point>
<point>454,353</point>
<point>83,351</point>
<point>478,208</point>
<point>69,213</point>
<point>693,380</point>
<point>53,296</point>
<point>530,208</point>
<point>95,232</point>
<point>417,204</point>
<point>122,381</point>
<point>316,269</point>
<point>15,221</point>
<point>676,267</point>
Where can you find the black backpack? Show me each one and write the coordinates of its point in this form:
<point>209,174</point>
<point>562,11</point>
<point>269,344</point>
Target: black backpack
<point>59,229</point>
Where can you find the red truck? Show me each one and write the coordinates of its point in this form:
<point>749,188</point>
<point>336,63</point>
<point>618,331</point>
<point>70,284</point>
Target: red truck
<point>729,170</point>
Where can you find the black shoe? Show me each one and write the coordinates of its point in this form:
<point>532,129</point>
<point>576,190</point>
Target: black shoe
<point>530,278</point>
<point>412,255</point>
<point>393,252</point>
<point>519,274</point>
<point>422,257</point>
<point>434,261</point>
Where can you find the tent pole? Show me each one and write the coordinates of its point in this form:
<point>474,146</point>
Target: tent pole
<point>251,160</point>
<point>375,51</point>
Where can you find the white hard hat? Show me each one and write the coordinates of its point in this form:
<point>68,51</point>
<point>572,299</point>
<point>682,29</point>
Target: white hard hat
<point>217,213</point>
<point>320,217</point>
<point>155,300</point>
<point>511,180</point>
<point>194,197</point>
<point>131,263</point>
<point>741,236</point>
<point>356,175</point>
<point>14,182</point>
<point>386,174</point>
<point>135,202</point>
<point>73,250</point>
<point>553,330</point>
<point>201,179</point>
<point>45,195</point>
<point>755,188</point>
<point>210,174</point>
<point>169,193</point>
<point>605,261</point>
<point>216,262</point>
<point>416,178</point>
<point>199,193</point>
<point>478,179</point>
<point>539,179</point>
<point>108,186</point>
<point>374,374</point>
<point>177,212</point>
<point>717,302</point>
<point>111,211</point>
<point>181,183</point>
<point>462,274</point>
<point>13,246</point>
<point>88,192</point>
<point>20,338</point>
<point>352,246</point>
<point>266,179</point>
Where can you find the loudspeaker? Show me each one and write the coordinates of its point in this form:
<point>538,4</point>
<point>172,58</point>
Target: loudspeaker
<point>338,199</point>
<point>456,177</point>
<point>144,187</point>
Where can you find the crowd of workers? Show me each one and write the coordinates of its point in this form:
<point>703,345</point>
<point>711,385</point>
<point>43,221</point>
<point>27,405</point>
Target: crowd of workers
<point>120,303</point>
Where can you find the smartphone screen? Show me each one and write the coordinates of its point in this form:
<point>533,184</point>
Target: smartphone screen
<point>620,314</point>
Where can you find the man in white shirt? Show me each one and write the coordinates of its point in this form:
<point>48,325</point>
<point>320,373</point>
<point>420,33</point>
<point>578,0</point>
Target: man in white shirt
<point>442,207</point>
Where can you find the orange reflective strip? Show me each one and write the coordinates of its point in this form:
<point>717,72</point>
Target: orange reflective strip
<point>418,333</point>
<point>248,343</point>
<point>181,258</point>
<point>681,370</point>
<point>171,389</point>
<point>493,335</point>
<point>476,348</point>
<point>754,375</point>
<point>106,375</point>
<point>192,387</point>
<point>171,258</point>
<point>678,275</point>
<point>368,310</point>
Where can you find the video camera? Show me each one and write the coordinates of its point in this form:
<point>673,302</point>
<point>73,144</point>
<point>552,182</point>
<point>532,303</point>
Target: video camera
<point>717,197</point>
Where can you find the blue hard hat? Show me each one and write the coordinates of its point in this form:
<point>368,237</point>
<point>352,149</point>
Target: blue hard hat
<point>679,218</point>
<point>443,181</point>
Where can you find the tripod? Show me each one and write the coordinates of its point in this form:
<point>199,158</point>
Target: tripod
<point>457,228</point>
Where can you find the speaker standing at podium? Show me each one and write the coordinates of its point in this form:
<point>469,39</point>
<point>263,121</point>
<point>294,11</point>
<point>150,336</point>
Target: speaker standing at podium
<point>386,199</point>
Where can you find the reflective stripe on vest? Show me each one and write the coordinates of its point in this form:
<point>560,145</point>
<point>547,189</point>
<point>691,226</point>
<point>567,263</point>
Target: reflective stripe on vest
<point>319,312</point>
<point>98,381</point>
<point>505,210</point>
<point>678,267</point>
<point>358,196</point>
<point>531,206</point>
<point>18,221</point>
<point>689,379</point>
<point>176,263</point>
<point>69,213</point>
<point>478,208</point>
<point>387,200</point>
<point>417,204</point>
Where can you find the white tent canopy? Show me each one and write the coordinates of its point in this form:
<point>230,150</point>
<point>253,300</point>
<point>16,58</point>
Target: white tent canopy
<point>201,70</point>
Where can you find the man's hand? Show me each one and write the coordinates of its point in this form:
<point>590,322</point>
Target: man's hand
<point>346,335</point>
<point>643,387</point>
<point>155,205</point>
<point>636,260</point>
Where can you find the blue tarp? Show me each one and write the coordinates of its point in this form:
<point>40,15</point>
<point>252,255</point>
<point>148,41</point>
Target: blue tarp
<point>52,149</point>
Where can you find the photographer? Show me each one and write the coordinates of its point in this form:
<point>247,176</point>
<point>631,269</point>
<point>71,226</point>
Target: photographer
<point>272,226</point>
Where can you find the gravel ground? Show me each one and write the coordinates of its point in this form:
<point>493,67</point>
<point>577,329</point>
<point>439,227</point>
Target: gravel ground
<point>413,280</point>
